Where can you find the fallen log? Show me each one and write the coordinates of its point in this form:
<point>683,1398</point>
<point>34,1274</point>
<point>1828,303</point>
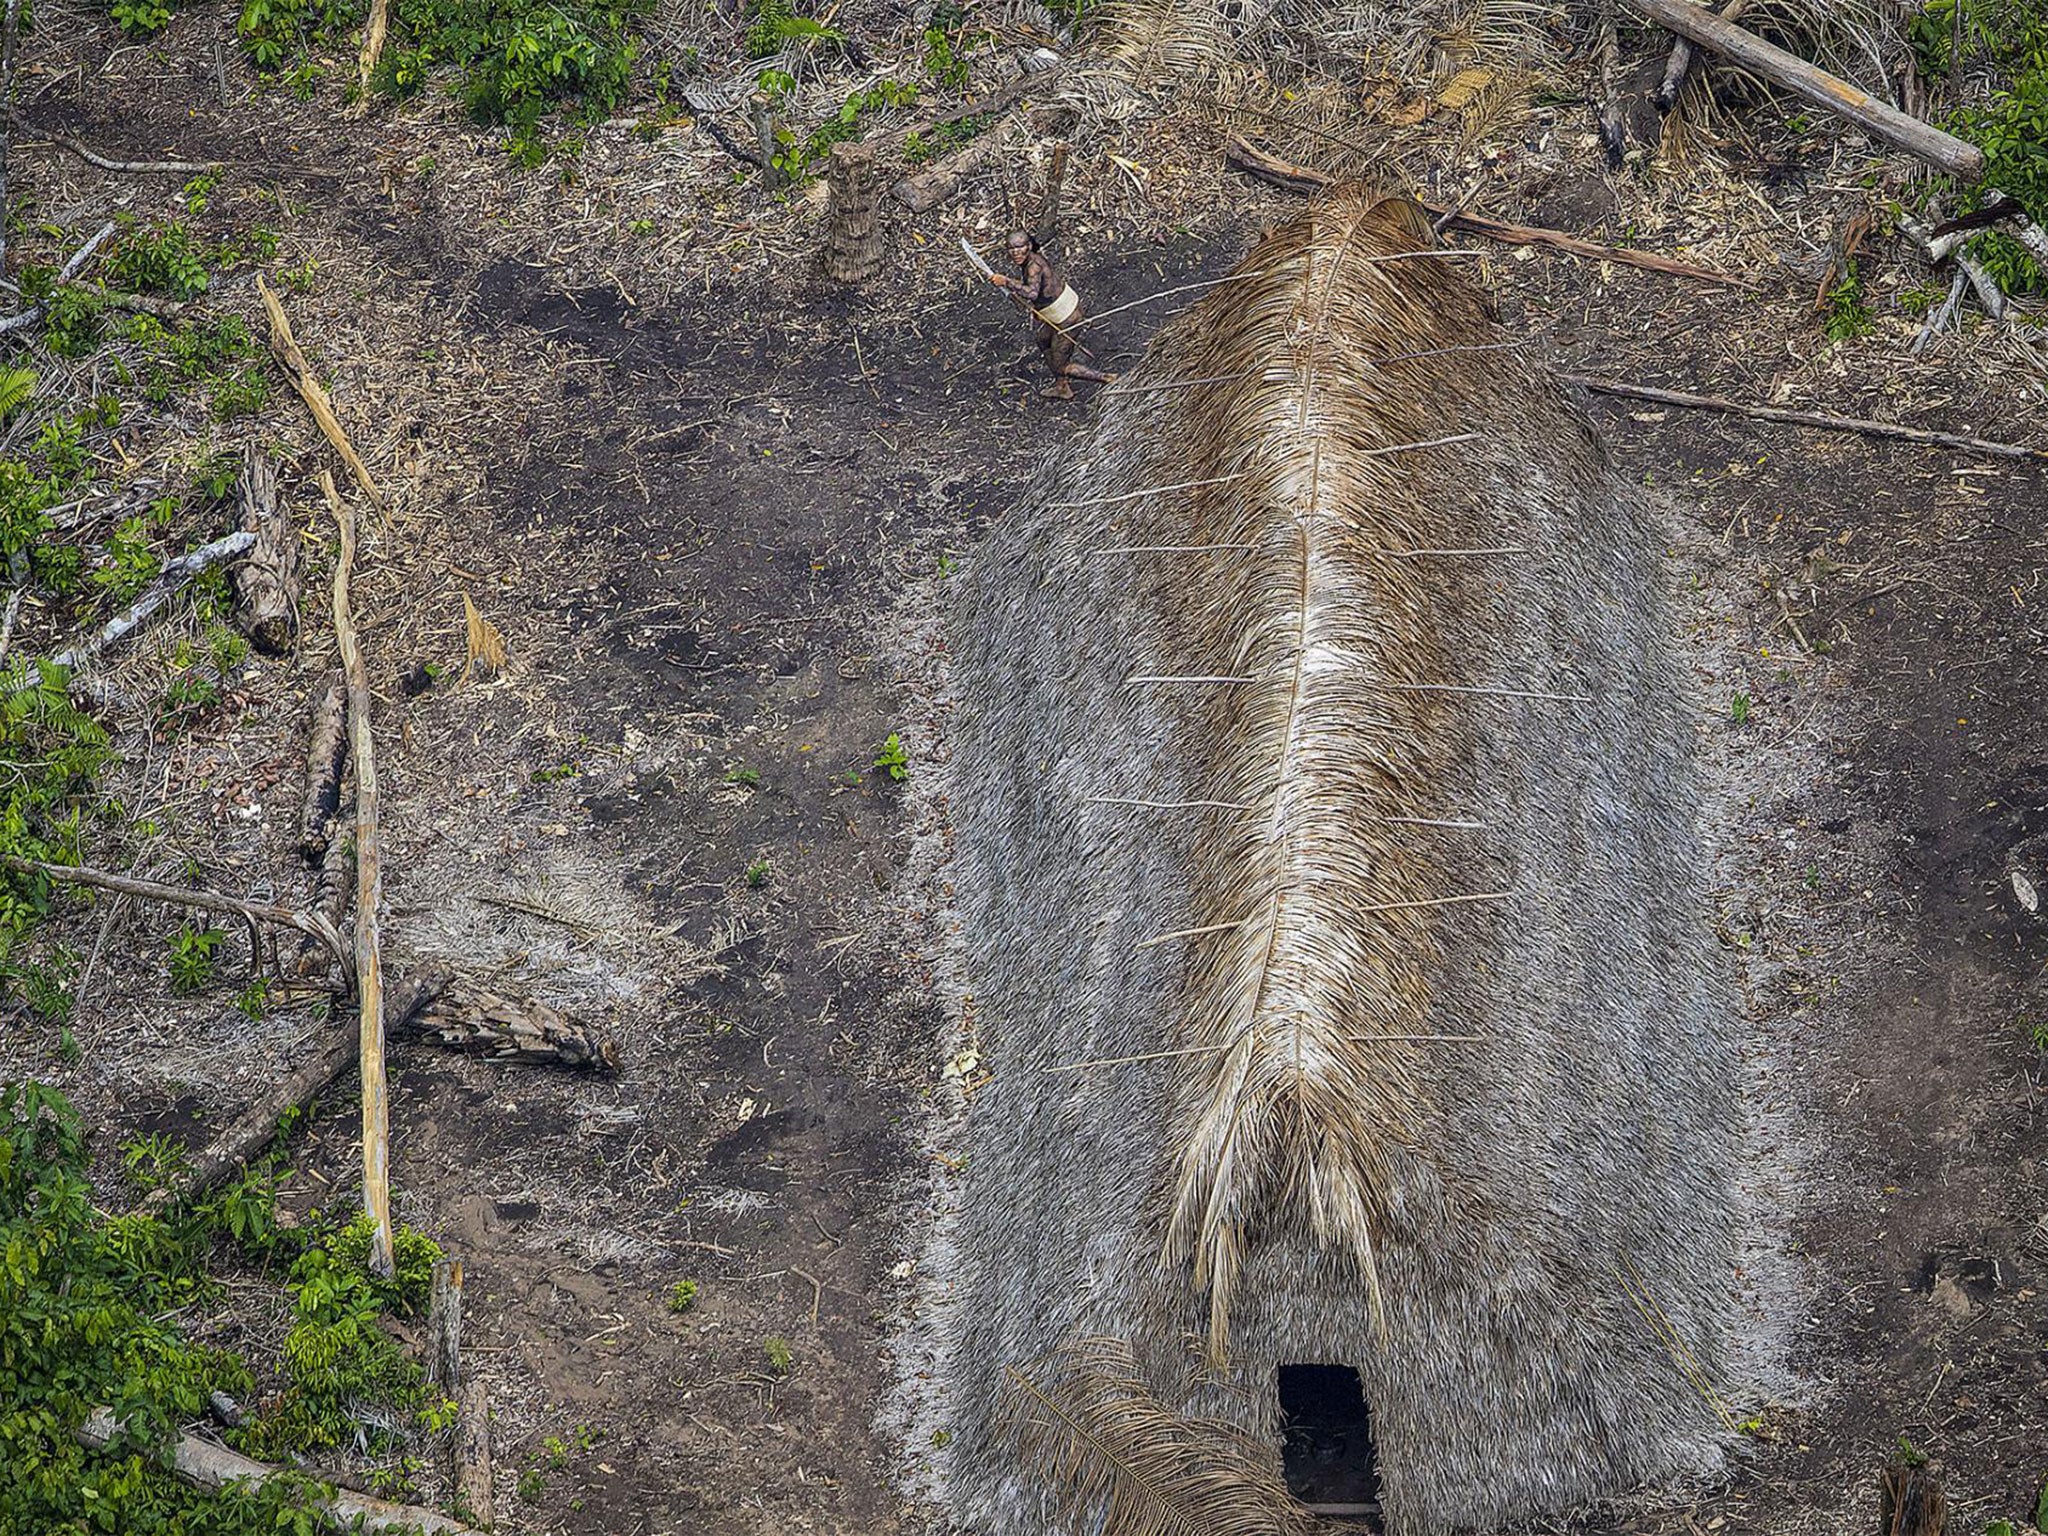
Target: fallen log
<point>1256,162</point>
<point>326,754</point>
<point>931,187</point>
<point>1813,419</point>
<point>511,1029</point>
<point>242,1140</point>
<point>267,581</point>
<point>1679,65</point>
<point>300,373</point>
<point>7,49</point>
<point>175,573</point>
<point>444,1327</point>
<point>1719,35</point>
<point>369,893</point>
<point>1048,228</point>
<point>215,1467</point>
<point>1607,118</point>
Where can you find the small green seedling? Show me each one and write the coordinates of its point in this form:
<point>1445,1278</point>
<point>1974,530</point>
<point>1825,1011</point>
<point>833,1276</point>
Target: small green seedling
<point>777,1351</point>
<point>757,873</point>
<point>745,777</point>
<point>893,759</point>
<point>1738,709</point>
<point>682,1296</point>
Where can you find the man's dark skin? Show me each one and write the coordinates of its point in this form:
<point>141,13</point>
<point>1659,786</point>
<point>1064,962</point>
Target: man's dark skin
<point>1055,311</point>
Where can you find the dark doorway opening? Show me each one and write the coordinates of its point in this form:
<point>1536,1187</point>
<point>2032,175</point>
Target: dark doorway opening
<point>1326,1447</point>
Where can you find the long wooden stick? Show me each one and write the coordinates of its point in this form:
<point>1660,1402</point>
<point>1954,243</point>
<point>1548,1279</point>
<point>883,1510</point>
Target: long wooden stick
<point>1816,419</point>
<point>214,1466</point>
<point>1254,161</point>
<point>1942,150</point>
<point>369,893</point>
<point>310,923</point>
<point>300,372</point>
<point>175,573</point>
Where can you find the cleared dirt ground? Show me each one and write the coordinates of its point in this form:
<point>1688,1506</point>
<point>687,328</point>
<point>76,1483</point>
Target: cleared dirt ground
<point>711,516</point>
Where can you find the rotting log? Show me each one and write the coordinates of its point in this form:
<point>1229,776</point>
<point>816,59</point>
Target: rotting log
<point>175,573</point>
<point>1718,35</point>
<point>326,754</point>
<point>267,583</point>
<point>444,1327</point>
<point>369,892</point>
<point>300,372</point>
<point>512,1029</point>
<point>1257,162</point>
<point>1815,419</point>
<point>215,1467</point>
<point>853,227</point>
<point>238,1143</point>
<point>333,886</point>
<point>1679,66</point>
<point>937,183</point>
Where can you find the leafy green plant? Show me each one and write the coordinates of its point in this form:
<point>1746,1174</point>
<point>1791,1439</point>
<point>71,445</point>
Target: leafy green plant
<point>757,873</point>
<point>160,257</point>
<point>797,157</point>
<point>682,1296</point>
<point>747,778</point>
<point>140,18</point>
<point>1738,709</point>
<point>774,27</point>
<point>893,759</point>
<point>1846,314</point>
<point>192,952</point>
<point>17,388</point>
<point>2011,127</point>
<point>777,1352</point>
<point>943,61</point>
<point>131,564</point>
<point>532,1486</point>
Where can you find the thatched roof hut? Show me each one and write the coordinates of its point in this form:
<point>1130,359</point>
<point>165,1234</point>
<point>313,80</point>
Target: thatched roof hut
<point>1333,905</point>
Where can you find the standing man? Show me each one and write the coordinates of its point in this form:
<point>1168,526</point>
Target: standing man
<point>1055,309</point>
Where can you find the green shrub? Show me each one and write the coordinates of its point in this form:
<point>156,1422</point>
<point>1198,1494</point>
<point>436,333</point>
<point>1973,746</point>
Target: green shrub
<point>277,30</point>
<point>140,18</point>
<point>2011,128</point>
<point>159,257</point>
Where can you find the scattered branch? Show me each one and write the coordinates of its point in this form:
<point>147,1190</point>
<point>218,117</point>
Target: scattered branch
<point>1815,419</point>
<point>326,752</point>
<point>1607,117</point>
<point>1944,151</point>
<point>214,1467</point>
<point>128,167</point>
<point>71,269</point>
<point>300,372</point>
<point>176,572</point>
<point>7,47</point>
<point>1254,161</point>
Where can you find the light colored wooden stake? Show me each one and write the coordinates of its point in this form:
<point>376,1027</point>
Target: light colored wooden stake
<point>300,372</point>
<point>444,1327</point>
<point>369,895</point>
<point>1944,151</point>
<point>373,47</point>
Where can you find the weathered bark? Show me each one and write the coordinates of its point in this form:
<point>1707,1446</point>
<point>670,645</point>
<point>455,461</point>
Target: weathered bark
<point>215,1467</point>
<point>7,46</point>
<point>1942,150</point>
<point>369,893</point>
<point>933,186</point>
<point>1679,66</point>
<point>473,1490</point>
<point>175,573</point>
<point>267,582</point>
<point>512,1029</point>
<point>444,1327</point>
<point>326,754</point>
<point>1914,1504</point>
<point>300,372</point>
<point>373,47</point>
<point>761,113</point>
<point>853,227</point>
<point>1608,119</point>
<point>333,885</point>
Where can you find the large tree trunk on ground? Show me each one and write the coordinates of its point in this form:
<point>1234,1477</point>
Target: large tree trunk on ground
<point>215,1467</point>
<point>853,227</point>
<point>267,581</point>
<point>326,752</point>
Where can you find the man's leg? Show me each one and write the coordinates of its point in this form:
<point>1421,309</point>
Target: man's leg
<point>1059,354</point>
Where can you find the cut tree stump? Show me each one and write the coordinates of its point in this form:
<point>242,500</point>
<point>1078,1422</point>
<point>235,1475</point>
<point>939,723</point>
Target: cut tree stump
<point>267,582</point>
<point>853,226</point>
<point>511,1029</point>
<point>444,1327</point>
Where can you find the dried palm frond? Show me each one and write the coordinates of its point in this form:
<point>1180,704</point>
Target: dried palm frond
<point>1311,995</point>
<point>1118,1462</point>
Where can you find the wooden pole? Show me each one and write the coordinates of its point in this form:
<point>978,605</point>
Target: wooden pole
<point>444,1327</point>
<point>1941,150</point>
<point>1049,206</point>
<point>373,47</point>
<point>369,894</point>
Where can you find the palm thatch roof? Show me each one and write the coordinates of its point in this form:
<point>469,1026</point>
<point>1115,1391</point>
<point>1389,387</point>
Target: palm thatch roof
<point>1331,888</point>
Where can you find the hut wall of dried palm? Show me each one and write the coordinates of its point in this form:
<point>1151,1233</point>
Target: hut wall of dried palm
<point>1331,890</point>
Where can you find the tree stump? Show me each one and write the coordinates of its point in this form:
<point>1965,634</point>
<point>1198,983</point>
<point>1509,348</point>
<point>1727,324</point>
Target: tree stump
<point>853,226</point>
<point>267,580</point>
